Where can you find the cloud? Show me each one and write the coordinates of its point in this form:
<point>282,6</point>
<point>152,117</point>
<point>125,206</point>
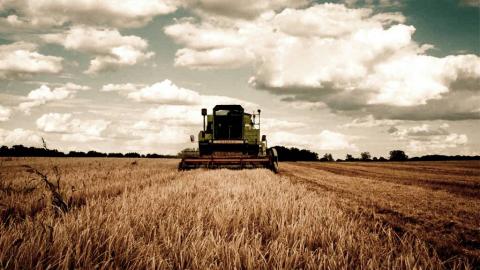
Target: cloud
<point>165,92</point>
<point>73,129</point>
<point>438,143</point>
<point>45,94</point>
<point>168,133</point>
<point>168,93</point>
<point>241,9</point>
<point>370,121</point>
<point>372,3</point>
<point>5,113</point>
<point>47,13</point>
<point>167,140</point>
<point>54,122</point>
<point>19,136</point>
<point>325,140</point>
<point>427,139</point>
<point>350,59</point>
<point>306,105</point>
<point>213,58</point>
<point>424,130</point>
<point>269,125</point>
<point>111,49</point>
<point>120,87</point>
<point>21,59</point>
<point>414,79</point>
<point>174,115</point>
<point>472,3</point>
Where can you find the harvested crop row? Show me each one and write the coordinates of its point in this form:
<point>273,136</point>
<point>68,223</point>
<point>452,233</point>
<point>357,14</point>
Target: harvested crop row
<point>444,219</point>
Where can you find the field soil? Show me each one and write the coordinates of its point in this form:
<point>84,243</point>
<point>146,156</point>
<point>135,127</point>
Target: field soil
<point>142,213</point>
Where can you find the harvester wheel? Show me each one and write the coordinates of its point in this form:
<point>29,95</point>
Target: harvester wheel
<point>273,157</point>
<point>180,166</point>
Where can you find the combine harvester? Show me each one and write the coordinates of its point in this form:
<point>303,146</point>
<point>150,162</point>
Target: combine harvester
<point>230,139</point>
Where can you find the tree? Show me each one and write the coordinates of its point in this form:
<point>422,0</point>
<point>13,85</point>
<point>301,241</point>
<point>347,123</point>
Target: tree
<point>349,158</point>
<point>295,154</point>
<point>398,155</point>
<point>327,157</point>
<point>365,156</point>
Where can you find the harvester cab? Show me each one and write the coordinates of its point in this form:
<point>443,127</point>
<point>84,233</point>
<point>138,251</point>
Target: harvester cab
<point>230,139</point>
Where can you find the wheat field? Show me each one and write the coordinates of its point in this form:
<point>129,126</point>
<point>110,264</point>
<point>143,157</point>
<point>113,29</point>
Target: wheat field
<point>84,213</point>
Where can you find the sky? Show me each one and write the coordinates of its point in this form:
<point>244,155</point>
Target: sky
<point>334,77</point>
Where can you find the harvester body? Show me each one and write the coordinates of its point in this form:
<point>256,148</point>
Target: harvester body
<point>230,139</point>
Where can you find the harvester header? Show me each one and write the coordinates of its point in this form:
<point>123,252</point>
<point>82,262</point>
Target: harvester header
<point>230,139</point>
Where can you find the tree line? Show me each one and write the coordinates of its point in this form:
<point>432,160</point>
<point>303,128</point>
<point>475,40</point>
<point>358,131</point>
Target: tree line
<point>295,154</point>
<point>23,151</point>
<point>397,155</point>
<point>284,154</point>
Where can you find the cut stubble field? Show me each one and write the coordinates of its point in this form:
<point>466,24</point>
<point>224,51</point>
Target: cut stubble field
<point>143,213</point>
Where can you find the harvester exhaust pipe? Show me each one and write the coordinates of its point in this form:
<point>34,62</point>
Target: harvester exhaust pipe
<point>204,113</point>
<point>259,111</point>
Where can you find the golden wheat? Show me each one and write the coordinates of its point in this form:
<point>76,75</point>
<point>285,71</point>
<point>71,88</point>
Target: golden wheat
<point>144,214</point>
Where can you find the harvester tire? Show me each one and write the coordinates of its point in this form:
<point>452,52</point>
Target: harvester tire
<point>180,166</point>
<point>273,157</point>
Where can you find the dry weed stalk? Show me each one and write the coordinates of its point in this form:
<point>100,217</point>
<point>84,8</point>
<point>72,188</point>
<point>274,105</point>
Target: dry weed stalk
<point>58,202</point>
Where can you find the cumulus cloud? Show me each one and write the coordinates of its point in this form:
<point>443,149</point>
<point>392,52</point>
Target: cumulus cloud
<point>370,121</point>
<point>213,58</point>
<point>111,49</point>
<point>438,143</point>
<point>21,59</point>
<point>5,113</point>
<point>351,59</point>
<point>165,92</point>
<point>372,3</point>
<point>120,87</point>
<point>168,93</point>
<point>127,13</point>
<point>19,136</point>
<point>472,3</point>
<point>45,94</point>
<point>241,9</point>
<point>269,125</point>
<point>166,140</point>
<point>325,140</point>
<point>73,129</point>
<point>420,131</point>
<point>427,139</point>
<point>168,133</point>
<point>174,115</point>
